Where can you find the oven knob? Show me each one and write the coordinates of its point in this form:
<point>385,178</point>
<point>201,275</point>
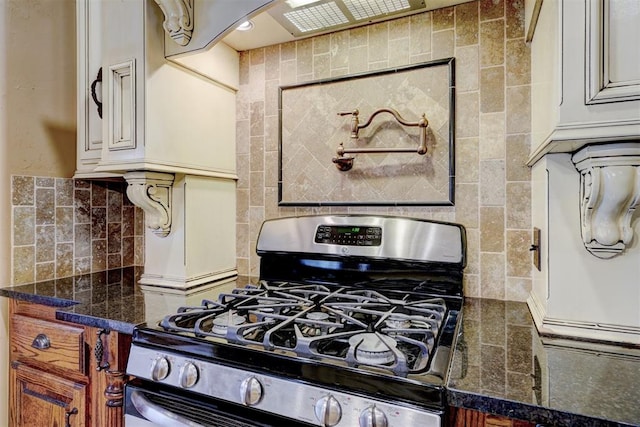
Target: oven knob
<point>160,369</point>
<point>328,411</point>
<point>251,391</point>
<point>188,375</point>
<point>373,417</point>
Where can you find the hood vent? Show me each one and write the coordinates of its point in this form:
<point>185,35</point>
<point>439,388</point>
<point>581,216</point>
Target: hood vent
<point>323,16</point>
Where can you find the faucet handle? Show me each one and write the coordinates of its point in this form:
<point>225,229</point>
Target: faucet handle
<point>347,113</point>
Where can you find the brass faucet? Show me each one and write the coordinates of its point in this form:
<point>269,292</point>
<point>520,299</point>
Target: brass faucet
<point>344,163</point>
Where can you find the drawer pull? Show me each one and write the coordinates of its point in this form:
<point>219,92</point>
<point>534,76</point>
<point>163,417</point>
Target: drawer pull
<point>41,342</point>
<point>67,416</point>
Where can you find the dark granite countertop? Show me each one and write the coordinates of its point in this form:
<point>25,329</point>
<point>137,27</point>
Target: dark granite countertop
<point>500,364</point>
<point>503,366</point>
<point>107,299</point>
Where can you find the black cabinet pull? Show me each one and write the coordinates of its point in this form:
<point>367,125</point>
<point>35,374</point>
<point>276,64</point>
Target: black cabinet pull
<point>94,95</point>
<point>67,416</point>
<point>41,342</point>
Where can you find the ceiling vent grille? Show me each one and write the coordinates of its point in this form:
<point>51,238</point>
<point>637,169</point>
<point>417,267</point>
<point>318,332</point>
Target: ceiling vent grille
<point>364,9</point>
<point>325,15</point>
<point>322,16</point>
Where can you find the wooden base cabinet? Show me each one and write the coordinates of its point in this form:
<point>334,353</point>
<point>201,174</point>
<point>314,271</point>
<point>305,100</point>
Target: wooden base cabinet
<point>459,417</point>
<point>63,374</point>
<point>39,398</point>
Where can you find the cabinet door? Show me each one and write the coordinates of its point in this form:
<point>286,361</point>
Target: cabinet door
<point>42,399</point>
<point>459,417</point>
<point>89,58</point>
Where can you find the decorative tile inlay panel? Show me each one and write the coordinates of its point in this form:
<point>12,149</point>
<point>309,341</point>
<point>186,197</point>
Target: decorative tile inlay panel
<point>312,130</point>
<point>63,227</point>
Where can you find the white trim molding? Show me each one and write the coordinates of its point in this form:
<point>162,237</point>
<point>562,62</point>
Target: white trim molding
<point>151,191</point>
<point>609,195</point>
<point>178,19</point>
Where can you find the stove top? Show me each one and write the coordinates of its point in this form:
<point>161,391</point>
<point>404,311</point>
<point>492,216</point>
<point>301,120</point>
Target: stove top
<point>350,311</point>
<point>358,328</point>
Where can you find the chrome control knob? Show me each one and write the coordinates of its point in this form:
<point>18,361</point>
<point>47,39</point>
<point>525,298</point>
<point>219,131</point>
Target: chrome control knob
<point>373,417</point>
<point>251,391</point>
<point>328,411</point>
<point>189,375</point>
<point>160,368</point>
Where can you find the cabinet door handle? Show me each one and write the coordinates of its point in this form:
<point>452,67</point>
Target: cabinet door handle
<point>67,416</point>
<point>94,95</point>
<point>98,351</point>
<point>41,342</point>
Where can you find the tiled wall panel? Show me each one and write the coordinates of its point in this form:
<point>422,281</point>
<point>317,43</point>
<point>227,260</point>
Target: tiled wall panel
<point>64,227</point>
<point>493,112</point>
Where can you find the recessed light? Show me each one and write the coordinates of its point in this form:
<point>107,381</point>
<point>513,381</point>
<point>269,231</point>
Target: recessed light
<point>245,26</point>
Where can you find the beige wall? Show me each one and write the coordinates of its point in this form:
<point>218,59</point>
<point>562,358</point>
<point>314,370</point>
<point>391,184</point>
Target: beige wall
<point>492,129</point>
<point>37,114</point>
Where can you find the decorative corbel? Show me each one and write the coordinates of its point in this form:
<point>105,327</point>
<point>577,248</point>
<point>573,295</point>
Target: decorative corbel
<point>151,191</point>
<point>609,195</point>
<point>178,19</point>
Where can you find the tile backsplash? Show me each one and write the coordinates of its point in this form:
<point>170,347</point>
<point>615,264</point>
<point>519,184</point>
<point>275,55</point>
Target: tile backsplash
<point>64,227</point>
<point>492,129</point>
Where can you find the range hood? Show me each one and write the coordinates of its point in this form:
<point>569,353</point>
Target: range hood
<point>290,20</point>
<point>195,26</point>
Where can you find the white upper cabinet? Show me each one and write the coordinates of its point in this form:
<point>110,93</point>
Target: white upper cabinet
<point>156,115</point>
<point>89,60</point>
<point>585,58</point>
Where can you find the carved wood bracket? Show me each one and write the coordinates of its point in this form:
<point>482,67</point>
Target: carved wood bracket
<point>609,195</point>
<point>178,19</point>
<point>151,191</point>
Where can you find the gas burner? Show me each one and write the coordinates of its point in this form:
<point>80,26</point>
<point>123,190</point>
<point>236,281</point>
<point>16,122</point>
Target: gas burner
<point>397,322</point>
<point>221,323</point>
<point>315,325</point>
<point>373,349</point>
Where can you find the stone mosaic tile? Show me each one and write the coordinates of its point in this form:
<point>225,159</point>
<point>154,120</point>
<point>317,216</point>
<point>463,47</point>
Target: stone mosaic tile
<point>518,62</point>
<point>467,24</point>
<point>491,9</point>
<point>518,205</point>
<point>492,90</point>
<point>443,18</point>
<point>514,13</point>
<point>45,206</point>
<point>492,43</point>
<point>518,255</point>
<point>60,227</point>
<point>492,229</point>
<point>22,190</point>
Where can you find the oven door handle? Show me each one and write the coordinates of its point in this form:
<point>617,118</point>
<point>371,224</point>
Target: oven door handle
<point>158,414</point>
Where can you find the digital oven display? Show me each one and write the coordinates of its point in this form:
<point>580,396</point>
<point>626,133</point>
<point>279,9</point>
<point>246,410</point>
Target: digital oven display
<point>349,235</point>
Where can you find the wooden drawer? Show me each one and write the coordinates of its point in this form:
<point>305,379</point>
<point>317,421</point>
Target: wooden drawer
<point>38,342</point>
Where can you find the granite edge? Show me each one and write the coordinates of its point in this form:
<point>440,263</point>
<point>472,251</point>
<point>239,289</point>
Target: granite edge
<point>67,316</point>
<point>37,299</point>
<point>524,411</point>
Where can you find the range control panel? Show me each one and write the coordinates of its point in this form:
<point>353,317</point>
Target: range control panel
<point>349,235</point>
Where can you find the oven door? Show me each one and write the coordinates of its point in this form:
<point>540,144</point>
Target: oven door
<point>153,405</point>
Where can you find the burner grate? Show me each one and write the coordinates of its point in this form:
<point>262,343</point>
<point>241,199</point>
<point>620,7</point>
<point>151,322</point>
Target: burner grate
<point>358,328</point>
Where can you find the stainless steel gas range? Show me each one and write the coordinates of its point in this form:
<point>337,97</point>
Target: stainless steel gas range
<point>352,323</point>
